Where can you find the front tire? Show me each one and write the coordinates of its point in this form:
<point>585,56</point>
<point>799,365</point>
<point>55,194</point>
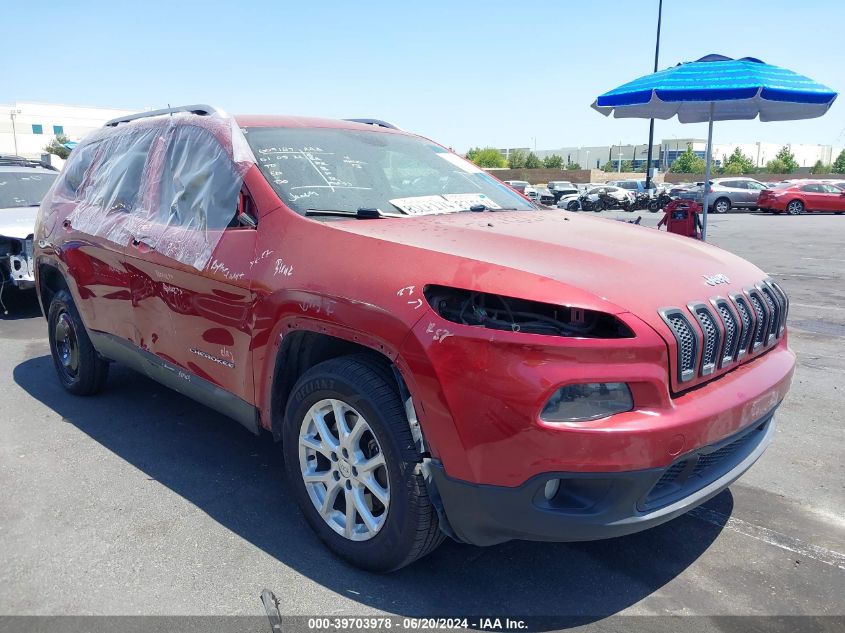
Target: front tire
<point>354,467</point>
<point>79,367</point>
<point>722,205</point>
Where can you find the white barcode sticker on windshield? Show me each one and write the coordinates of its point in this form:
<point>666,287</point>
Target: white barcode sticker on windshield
<point>467,200</point>
<point>426,205</point>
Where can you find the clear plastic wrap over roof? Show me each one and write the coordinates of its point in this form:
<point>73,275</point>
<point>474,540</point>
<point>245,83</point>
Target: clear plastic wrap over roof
<point>169,182</point>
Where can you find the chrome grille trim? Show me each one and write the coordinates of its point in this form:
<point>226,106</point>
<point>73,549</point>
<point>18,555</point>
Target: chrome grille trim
<point>774,312</point>
<point>761,311</point>
<point>712,337</point>
<point>782,299</point>
<point>733,329</point>
<point>687,341</point>
<point>747,320</point>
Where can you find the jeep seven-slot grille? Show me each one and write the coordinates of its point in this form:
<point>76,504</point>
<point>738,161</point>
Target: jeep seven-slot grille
<point>725,330</point>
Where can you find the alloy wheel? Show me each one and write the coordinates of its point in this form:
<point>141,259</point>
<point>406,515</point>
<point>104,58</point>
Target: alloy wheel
<point>344,469</point>
<point>795,207</point>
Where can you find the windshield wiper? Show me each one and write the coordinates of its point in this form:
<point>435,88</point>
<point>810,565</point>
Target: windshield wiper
<point>362,213</point>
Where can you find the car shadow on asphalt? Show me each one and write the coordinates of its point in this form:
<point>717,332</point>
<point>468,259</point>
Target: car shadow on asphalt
<point>237,479</point>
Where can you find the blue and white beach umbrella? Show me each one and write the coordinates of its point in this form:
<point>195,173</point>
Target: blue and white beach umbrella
<point>718,88</point>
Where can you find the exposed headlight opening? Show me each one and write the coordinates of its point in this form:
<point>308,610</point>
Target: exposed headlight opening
<point>587,401</point>
<point>498,312</point>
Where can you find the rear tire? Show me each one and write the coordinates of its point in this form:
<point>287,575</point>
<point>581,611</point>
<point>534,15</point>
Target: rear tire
<point>379,518</point>
<point>80,368</point>
<point>598,206</point>
<point>796,207</point>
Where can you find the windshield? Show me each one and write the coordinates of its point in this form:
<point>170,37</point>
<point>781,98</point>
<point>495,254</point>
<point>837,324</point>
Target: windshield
<point>23,189</point>
<point>326,169</point>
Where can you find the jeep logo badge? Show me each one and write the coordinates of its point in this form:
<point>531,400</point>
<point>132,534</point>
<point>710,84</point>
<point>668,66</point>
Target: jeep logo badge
<point>715,280</point>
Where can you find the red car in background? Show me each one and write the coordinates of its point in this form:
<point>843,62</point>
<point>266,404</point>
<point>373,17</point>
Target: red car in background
<point>803,196</point>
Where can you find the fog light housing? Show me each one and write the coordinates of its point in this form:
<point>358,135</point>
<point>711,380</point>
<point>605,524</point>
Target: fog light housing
<point>587,401</point>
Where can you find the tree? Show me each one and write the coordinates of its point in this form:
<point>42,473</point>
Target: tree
<point>609,166</point>
<point>532,162</point>
<point>821,168</point>
<point>738,163</point>
<point>486,157</point>
<point>553,162</point>
<point>777,166</point>
<point>783,160</point>
<point>572,166</point>
<point>627,165</point>
<point>516,159</point>
<point>57,146</point>
<point>839,164</point>
<point>688,163</point>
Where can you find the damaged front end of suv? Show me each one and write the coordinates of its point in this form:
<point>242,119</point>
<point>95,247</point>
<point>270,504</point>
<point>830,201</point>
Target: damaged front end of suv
<point>23,183</point>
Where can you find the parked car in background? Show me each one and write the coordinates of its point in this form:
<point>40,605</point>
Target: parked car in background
<point>439,369</point>
<point>23,184</point>
<point>800,197</point>
<point>637,186</point>
<point>612,197</point>
<point>727,194</point>
<point>561,188</point>
<point>524,187</point>
<point>546,196</point>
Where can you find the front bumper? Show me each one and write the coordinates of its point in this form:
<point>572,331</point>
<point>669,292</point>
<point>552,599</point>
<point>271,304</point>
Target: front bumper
<point>591,506</point>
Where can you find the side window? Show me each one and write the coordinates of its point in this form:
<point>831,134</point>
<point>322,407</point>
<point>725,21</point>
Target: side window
<point>831,189</point>
<point>75,170</point>
<point>199,185</point>
<point>811,188</point>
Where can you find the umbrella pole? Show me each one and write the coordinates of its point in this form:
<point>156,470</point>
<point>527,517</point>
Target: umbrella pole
<point>709,157</point>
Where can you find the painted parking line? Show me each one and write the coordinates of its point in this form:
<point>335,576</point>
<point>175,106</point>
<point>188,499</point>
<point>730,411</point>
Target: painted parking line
<point>816,307</point>
<point>788,543</point>
<point>824,259</point>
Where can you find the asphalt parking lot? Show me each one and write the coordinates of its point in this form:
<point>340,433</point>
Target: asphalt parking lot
<point>139,501</point>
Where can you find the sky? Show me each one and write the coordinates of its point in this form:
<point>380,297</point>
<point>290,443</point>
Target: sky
<point>464,73</point>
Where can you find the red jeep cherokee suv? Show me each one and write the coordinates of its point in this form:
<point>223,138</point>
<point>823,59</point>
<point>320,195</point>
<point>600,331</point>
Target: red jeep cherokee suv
<point>437,355</point>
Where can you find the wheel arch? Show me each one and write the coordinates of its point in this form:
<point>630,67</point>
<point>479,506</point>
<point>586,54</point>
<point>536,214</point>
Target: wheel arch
<point>49,280</point>
<point>302,349</point>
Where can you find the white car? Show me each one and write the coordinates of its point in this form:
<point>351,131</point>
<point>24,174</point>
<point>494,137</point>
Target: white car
<point>525,188</point>
<point>22,185</point>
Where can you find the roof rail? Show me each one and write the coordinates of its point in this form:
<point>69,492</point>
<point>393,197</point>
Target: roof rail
<point>199,108</point>
<point>376,122</point>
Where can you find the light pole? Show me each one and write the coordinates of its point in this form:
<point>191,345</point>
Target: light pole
<point>619,162</point>
<point>587,162</point>
<point>651,121</point>
<point>13,114</point>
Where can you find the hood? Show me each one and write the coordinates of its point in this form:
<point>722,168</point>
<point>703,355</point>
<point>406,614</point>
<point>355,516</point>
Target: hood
<point>621,266</point>
<point>18,222</point>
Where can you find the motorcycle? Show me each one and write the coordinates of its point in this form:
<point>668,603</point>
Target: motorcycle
<point>659,202</point>
<point>641,202</point>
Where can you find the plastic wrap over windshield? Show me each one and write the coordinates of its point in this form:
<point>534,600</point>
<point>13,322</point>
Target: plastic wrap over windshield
<point>170,184</point>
